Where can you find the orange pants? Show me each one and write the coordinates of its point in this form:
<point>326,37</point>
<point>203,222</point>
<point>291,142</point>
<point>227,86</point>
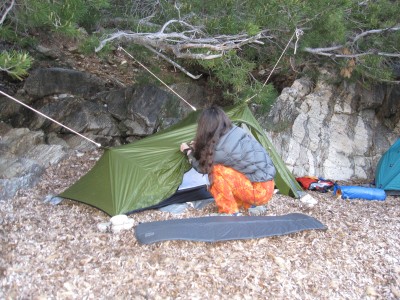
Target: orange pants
<point>232,190</point>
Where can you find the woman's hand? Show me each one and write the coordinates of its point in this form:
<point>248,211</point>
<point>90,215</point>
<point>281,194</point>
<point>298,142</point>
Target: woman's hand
<point>184,146</point>
<point>187,149</point>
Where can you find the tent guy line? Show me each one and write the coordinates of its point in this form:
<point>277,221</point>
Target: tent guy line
<point>144,67</point>
<point>297,33</point>
<point>47,117</point>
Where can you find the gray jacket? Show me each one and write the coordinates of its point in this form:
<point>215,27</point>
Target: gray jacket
<point>241,151</point>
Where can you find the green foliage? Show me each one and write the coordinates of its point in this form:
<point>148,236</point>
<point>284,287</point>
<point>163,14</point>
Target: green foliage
<point>16,64</point>
<point>375,14</point>
<point>252,29</point>
<point>373,67</point>
<point>61,16</point>
<point>265,96</point>
<point>89,45</point>
<point>328,30</point>
<point>255,92</point>
<point>8,34</point>
<point>325,23</point>
<point>231,73</point>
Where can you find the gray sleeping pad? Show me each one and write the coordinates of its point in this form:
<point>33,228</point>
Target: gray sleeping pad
<point>224,228</point>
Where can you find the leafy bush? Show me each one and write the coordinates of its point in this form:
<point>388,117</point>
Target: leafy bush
<point>15,63</point>
<point>325,24</point>
<point>62,16</point>
<point>89,44</point>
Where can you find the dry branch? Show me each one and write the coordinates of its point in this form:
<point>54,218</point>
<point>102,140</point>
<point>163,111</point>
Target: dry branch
<point>337,51</point>
<point>189,44</point>
<point>181,40</point>
<point>181,44</point>
<point>174,63</point>
<point>5,9</point>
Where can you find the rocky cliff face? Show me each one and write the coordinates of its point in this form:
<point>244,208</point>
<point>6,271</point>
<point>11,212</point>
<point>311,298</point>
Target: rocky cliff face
<point>86,104</point>
<point>320,129</point>
<point>335,132</point>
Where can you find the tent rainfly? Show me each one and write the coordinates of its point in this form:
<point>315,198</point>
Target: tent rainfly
<point>144,173</point>
<point>387,174</point>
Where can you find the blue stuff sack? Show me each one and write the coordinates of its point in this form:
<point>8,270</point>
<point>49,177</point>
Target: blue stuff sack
<point>359,192</point>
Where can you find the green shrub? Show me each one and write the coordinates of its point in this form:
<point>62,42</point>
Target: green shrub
<point>16,64</point>
<point>61,16</point>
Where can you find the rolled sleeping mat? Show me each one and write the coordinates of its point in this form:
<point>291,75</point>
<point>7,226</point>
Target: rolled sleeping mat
<point>359,192</point>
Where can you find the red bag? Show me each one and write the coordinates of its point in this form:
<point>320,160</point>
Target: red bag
<point>315,184</point>
<point>306,181</point>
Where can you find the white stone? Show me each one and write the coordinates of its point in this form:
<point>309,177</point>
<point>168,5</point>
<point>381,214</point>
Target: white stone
<point>119,219</point>
<point>103,227</point>
<point>125,226</point>
<point>308,200</point>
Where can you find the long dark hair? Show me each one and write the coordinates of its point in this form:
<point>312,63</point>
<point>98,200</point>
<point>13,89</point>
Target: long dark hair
<point>212,124</point>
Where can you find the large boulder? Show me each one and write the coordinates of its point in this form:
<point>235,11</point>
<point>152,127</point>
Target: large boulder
<point>84,105</point>
<point>74,112</point>
<point>24,157</point>
<point>109,115</point>
<point>51,81</point>
<point>329,131</point>
<point>17,173</point>
<point>140,110</point>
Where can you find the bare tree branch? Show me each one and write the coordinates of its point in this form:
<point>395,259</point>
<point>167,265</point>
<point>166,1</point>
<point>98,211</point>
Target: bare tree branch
<point>185,44</point>
<point>320,51</point>
<point>4,11</point>
<point>181,44</point>
<point>165,26</point>
<point>192,43</point>
<point>173,63</point>
<point>374,31</point>
<point>336,51</point>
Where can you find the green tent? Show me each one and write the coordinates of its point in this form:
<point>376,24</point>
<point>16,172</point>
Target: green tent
<point>143,173</point>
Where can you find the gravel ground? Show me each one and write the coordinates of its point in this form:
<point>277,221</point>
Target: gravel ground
<point>57,251</point>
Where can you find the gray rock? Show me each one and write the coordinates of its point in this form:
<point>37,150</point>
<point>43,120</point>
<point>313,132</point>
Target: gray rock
<point>46,155</point>
<point>50,81</point>
<point>17,173</point>
<point>24,158</point>
<point>19,141</point>
<point>332,132</point>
